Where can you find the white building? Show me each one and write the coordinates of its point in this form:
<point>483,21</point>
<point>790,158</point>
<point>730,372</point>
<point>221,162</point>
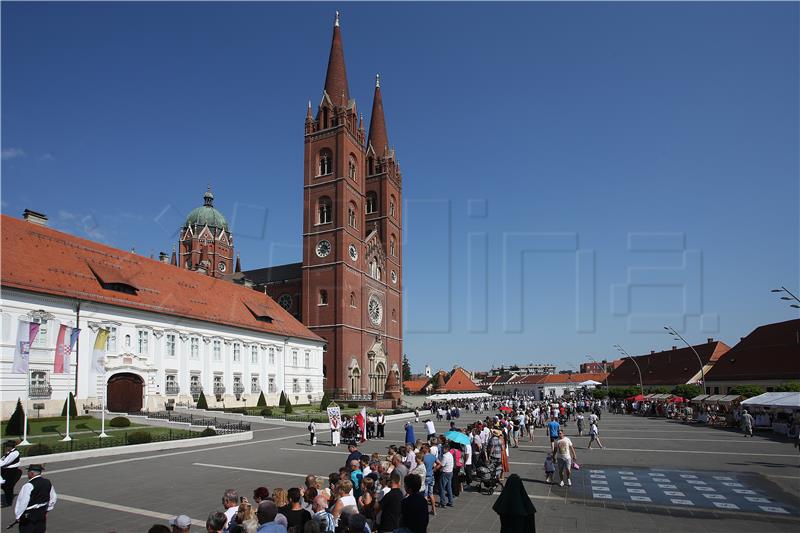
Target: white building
<point>173,332</point>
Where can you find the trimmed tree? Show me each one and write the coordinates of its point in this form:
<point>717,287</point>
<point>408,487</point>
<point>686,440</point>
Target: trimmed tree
<point>748,391</point>
<point>287,408</point>
<point>262,402</point>
<point>789,386</point>
<point>688,391</point>
<point>599,394</point>
<point>15,423</point>
<point>73,409</point>
<point>282,401</point>
<point>202,403</point>
<point>325,402</point>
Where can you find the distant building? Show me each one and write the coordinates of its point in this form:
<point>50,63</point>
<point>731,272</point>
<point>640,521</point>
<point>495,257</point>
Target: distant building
<point>524,370</point>
<point>547,386</point>
<point>598,367</point>
<point>457,380</point>
<point>768,356</point>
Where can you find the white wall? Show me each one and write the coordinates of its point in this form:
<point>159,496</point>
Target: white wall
<point>154,363</point>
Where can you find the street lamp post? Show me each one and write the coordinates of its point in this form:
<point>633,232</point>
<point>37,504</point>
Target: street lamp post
<point>592,359</point>
<point>677,336</point>
<point>621,350</point>
<point>790,296</point>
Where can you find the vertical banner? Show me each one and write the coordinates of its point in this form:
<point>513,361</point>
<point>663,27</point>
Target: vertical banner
<point>335,417</point>
<point>67,337</point>
<point>26,334</point>
<point>361,419</point>
<point>99,352</point>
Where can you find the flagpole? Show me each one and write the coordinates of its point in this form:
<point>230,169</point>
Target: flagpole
<point>69,405</point>
<point>103,410</point>
<point>25,411</point>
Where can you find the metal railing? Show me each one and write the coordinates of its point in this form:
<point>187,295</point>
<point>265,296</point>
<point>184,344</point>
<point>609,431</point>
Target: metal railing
<point>39,392</point>
<point>219,389</point>
<point>173,389</point>
<point>237,389</point>
<point>195,392</point>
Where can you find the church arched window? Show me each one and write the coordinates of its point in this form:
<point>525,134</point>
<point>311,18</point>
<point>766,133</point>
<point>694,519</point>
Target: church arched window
<point>351,215</point>
<point>325,163</point>
<point>372,202</point>
<point>323,297</point>
<point>352,299</point>
<point>352,168</point>
<point>324,210</point>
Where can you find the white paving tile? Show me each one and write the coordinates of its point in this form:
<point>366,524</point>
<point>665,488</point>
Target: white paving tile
<point>637,491</point>
<point>602,495</point>
<point>681,502</point>
<point>674,493</point>
<point>756,499</point>
<point>628,478</point>
<point>596,471</point>
<point>625,473</point>
<point>631,484</point>
<point>771,509</point>
<point>601,488</point>
<point>744,491</point>
<point>655,474</point>
<point>715,496</point>
<point>732,484</point>
<point>726,505</point>
<point>641,499</point>
<point>599,482</point>
<point>660,486</point>
<point>722,478</point>
<point>704,488</point>
<point>688,476</point>
<point>695,482</point>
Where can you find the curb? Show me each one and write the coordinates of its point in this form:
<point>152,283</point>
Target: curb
<point>136,448</point>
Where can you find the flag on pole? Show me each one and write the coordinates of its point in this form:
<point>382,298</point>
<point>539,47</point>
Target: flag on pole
<point>67,337</point>
<point>26,334</point>
<point>99,352</point>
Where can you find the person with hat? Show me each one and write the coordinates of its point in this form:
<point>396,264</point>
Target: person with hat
<point>36,498</point>
<point>182,523</point>
<point>9,471</point>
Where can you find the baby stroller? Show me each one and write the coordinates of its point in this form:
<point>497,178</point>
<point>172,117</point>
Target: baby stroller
<point>487,475</point>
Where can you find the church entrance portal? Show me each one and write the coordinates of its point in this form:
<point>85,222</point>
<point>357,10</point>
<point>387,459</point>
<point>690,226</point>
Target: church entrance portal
<point>125,393</point>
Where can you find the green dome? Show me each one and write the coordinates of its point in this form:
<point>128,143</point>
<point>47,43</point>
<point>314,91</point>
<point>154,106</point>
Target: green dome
<point>206,215</point>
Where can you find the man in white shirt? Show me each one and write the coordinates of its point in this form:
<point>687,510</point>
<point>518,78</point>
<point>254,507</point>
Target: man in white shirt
<point>446,481</point>
<point>430,428</point>
<point>36,498</point>
<point>10,471</point>
<point>565,456</point>
<point>230,501</point>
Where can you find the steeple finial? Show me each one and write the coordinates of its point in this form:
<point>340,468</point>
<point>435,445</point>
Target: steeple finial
<point>377,80</point>
<point>336,23</point>
<point>208,197</point>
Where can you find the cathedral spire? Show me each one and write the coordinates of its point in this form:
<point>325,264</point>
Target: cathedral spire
<point>377,124</point>
<point>174,259</point>
<point>238,264</point>
<point>336,77</point>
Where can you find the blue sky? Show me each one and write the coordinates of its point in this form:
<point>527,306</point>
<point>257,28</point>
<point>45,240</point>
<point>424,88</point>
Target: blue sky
<point>575,175</point>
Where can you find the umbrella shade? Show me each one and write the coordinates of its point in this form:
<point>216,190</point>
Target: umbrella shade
<point>589,382</point>
<point>677,399</point>
<point>506,408</point>
<point>637,398</point>
<point>457,437</point>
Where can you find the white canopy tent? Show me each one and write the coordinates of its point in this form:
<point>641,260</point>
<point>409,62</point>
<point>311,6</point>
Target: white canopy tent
<point>790,400</point>
<point>589,382</point>
<point>455,396</point>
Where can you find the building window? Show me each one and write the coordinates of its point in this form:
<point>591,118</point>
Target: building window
<point>323,297</point>
<point>392,245</point>
<point>127,342</point>
<point>308,385</point>
<point>144,336</point>
<point>170,345</point>
<point>271,355</point>
<point>41,337</point>
<point>271,385</point>
<point>352,299</point>
<point>324,210</point>
<point>325,163</point>
<point>39,381</point>
<point>219,388</point>
<point>111,341</point>
<point>194,386</point>
<point>351,215</point>
<point>254,355</point>
<point>295,385</point>
<point>171,386</point>
<point>237,352</point>
<point>194,348</point>
<point>238,388</point>
<point>254,386</point>
<point>308,359</point>
<point>391,206</point>
<point>352,168</point>
<point>294,357</point>
<point>217,350</point>
<point>372,202</point>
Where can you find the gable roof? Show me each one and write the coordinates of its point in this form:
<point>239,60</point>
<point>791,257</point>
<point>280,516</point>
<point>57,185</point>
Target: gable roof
<point>460,381</point>
<point>669,367</point>
<point>42,260</point>
<point>415,386</point>
<point>771,351</point>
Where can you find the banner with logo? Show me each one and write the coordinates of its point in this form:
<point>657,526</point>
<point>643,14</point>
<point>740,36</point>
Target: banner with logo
<point>335,417</point>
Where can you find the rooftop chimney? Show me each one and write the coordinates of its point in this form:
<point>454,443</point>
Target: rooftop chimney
<point>710,340</point>
<point>652,352</point>
<point>163,257</point>
<point>674,347</point>
<point>34,217</point>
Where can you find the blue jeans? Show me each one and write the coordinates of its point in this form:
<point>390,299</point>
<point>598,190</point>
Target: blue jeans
<point>446,488</point>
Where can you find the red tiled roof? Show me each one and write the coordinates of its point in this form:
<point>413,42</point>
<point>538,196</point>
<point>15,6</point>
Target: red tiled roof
<point>415,386</point>
<point>572,378</point>
<point>771,351</point>
<point>670,367</point>
<point>460,381</point>
<point>43,260</point>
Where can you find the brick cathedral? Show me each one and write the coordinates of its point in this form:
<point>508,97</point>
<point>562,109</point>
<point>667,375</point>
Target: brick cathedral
<point>348,288</point>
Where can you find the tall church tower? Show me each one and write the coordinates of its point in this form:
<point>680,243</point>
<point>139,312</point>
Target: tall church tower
<point>351,237</point>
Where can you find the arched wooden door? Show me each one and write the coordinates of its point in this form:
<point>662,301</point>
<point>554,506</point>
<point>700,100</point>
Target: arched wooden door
<point>125,393</point>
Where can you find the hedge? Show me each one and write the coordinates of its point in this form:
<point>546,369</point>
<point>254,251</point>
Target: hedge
<point>139,437</point>
<point>119,422</point>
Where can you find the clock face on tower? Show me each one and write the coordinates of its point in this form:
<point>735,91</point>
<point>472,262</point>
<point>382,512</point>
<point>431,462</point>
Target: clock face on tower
<point>375,310</point>
<point>323,248</point>
<point>353,252</point>
<point>285,301</point>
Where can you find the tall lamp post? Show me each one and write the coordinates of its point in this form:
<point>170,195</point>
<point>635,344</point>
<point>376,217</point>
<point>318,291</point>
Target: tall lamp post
<point>678,336</point>
<point>621,350</point>
<point>592,359</point>
<point>788,296</point>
